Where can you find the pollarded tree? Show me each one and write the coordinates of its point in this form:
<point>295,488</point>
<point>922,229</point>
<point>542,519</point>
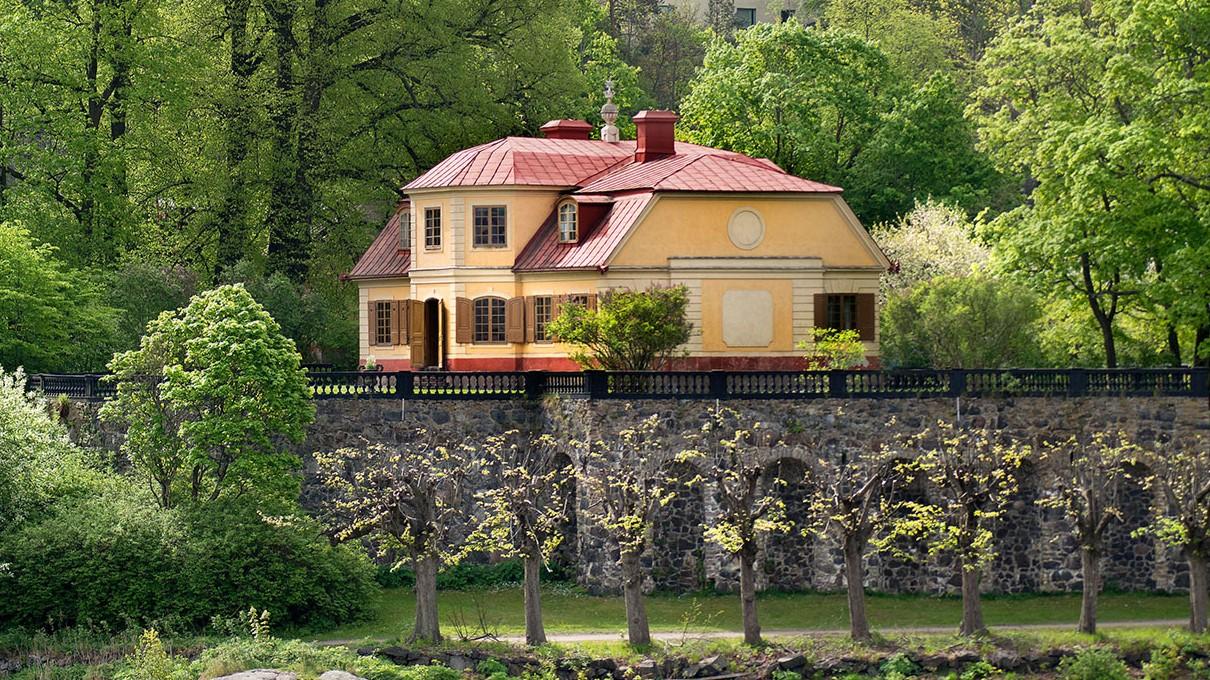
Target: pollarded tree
<point>630,330</point>
<point>413,497</point>
<point>627,481</point>
<point>1180,483</point>
<point>975,478</point>
<point>208,399</point>
<point>851,501</point>
<point>1088,477</point>
<point>526,511</point>
<point>748,511</point>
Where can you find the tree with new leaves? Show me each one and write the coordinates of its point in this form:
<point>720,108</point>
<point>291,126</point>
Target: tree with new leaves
<point>525,511</point>
<point>413,497</point>
<point>851,500</point>
<point>1179,480</point>
<point>1089,472</point>
<point>974,477</point>
<point>732,454</point>
<point>630,330</point>
<point>626,479</point>
<point>209,398</point>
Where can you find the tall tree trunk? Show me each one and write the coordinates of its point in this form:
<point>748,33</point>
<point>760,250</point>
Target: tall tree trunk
<point>1104,317</point>
<point>972,606</point>
<point>1197,592</point>
<point>535,633</point>
<point>854,573</point>
<point>233,214</point>
<point>1090,564</point>
<point>637,630</point>
<point>427,627</point>
<point>287,253</point>
<point>1174,345</point>
<point>1201,350</point>
<point>3,159</point>
<point>747,596</point>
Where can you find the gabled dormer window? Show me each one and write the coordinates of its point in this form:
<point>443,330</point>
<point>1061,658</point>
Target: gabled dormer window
<point>405,229</point>
<point>569,227</point>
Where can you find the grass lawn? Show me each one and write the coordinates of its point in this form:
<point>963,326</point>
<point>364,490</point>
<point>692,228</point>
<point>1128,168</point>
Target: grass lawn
<point>570,612</point>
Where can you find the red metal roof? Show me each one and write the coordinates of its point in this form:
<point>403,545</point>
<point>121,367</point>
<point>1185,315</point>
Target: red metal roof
<point>525,161</point>
<point>384,259</point>
<point>704,169</point>
<point>593,250</point>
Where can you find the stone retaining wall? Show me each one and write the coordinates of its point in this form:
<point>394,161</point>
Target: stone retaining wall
<point>1036,553</point>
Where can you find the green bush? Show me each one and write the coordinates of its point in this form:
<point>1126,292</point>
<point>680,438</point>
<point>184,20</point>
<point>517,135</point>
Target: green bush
<point>1093,664</point>
<point>115,560</point>
<point>899,667</point>
<point>308,660</point>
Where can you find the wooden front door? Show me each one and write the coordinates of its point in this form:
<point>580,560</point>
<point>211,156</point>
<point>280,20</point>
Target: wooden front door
<point>418,332</point>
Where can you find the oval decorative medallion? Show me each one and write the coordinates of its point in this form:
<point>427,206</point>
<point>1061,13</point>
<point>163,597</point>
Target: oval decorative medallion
<point>746,229</point>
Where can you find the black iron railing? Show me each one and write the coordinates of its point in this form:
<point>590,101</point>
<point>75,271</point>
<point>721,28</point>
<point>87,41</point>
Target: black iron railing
<point>894,384</point>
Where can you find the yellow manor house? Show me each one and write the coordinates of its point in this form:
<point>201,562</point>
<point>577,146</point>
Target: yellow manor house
<point>491,241</point>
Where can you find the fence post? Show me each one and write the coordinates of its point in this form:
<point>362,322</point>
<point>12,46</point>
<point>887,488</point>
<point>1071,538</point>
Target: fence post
<point>718,384</point>
<point>838,385</point>
<point>1077,382</point>
<point>957,382</point>
<point>596,384</point>
<point>404,384</point>
<point>90,384</point>
<point>535,384</point>
<point>1199,382</point>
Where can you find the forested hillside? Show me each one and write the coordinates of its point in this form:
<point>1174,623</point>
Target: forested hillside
<point>153,149</point>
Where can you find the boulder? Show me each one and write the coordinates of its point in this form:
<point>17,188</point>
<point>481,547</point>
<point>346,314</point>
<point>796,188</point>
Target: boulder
<point>260,674</point>
<point>339,675</point>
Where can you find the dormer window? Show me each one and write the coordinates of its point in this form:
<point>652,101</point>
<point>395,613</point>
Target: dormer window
<point>569,231</point>
<point>405,229</point>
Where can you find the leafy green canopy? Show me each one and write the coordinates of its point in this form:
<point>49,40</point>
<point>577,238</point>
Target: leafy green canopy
<point>829,106</point>
<point>53,319</point>
<point>975,321</point>
<point>209,397</point>
<point>629,331</point>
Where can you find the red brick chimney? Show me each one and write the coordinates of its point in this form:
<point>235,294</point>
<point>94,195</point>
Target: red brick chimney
<point>566,129</point>
<point>657,130</point>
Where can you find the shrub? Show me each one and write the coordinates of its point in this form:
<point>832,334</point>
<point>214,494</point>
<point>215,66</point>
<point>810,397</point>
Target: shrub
<point>1163,665</point>
<point>308,660</point>
<point>117,560</point>
<point>1093,664</point>
<point>899,667</point>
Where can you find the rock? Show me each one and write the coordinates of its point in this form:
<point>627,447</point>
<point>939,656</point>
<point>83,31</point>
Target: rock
<point>791,663</point>
<point>1005,659</point>
<point>646,668</point>
<point>260,674</point>
<point>339,675</point>
<point>459,662</point>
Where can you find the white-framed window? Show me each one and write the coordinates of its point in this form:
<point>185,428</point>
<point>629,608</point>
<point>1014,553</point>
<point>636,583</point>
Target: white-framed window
<point>405,229</point>
<point>543,308</point>
<point>569,218</point>
<point>432,228</point>
<point>382,322</point>
<point>489,320</point>
<point>745,16</point>
<point>491,226</point>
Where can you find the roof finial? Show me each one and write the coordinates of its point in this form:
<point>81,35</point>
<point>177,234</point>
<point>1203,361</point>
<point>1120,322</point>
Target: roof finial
<point>609,114</point>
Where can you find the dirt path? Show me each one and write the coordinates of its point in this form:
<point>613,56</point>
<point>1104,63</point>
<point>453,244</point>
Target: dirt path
<point>677,636</point>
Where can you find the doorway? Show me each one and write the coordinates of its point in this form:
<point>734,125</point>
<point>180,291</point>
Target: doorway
<point>432,332</point>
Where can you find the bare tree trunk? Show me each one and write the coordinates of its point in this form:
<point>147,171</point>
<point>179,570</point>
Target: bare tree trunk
<point>1090,562</point>
<point>972,606</point>
<point>854,573</point>
<point>535,634</point>
<point>1199,343</point>
<point>427,627</point>
<point>747,596</point>
<point>637,630</point>
<point>1197,592</point>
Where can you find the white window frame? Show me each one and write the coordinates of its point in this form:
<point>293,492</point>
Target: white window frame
<point>575,222</point>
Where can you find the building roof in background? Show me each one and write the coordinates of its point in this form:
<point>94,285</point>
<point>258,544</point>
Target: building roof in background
<point>595,247</point>
<point>384,259</point>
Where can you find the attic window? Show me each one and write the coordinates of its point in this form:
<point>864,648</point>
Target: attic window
<point>405,229</point>
<point>569,230</point>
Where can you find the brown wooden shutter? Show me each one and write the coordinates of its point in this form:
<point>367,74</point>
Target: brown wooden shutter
<point>395,339</point>
<point>372,321</point>
<point>866,308</point>
<point>530,319</point>
<point>821,310</point>
<point>405,318</point>
<point>592,302</point>
<point>514,320</point>
<point>462,321</point>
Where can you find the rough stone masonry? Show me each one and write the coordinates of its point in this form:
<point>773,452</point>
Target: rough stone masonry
<point>1036,551</point>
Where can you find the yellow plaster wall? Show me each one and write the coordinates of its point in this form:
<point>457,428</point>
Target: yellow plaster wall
<point>526,209</point>
<point>369,291</point>
<point>696,226</point>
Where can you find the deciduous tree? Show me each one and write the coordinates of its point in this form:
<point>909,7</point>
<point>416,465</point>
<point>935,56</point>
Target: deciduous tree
<point>526,511</point>
<point>209,398</point>
<point>630,330</point>
<point>413,497</point>
<point>732,455</point>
